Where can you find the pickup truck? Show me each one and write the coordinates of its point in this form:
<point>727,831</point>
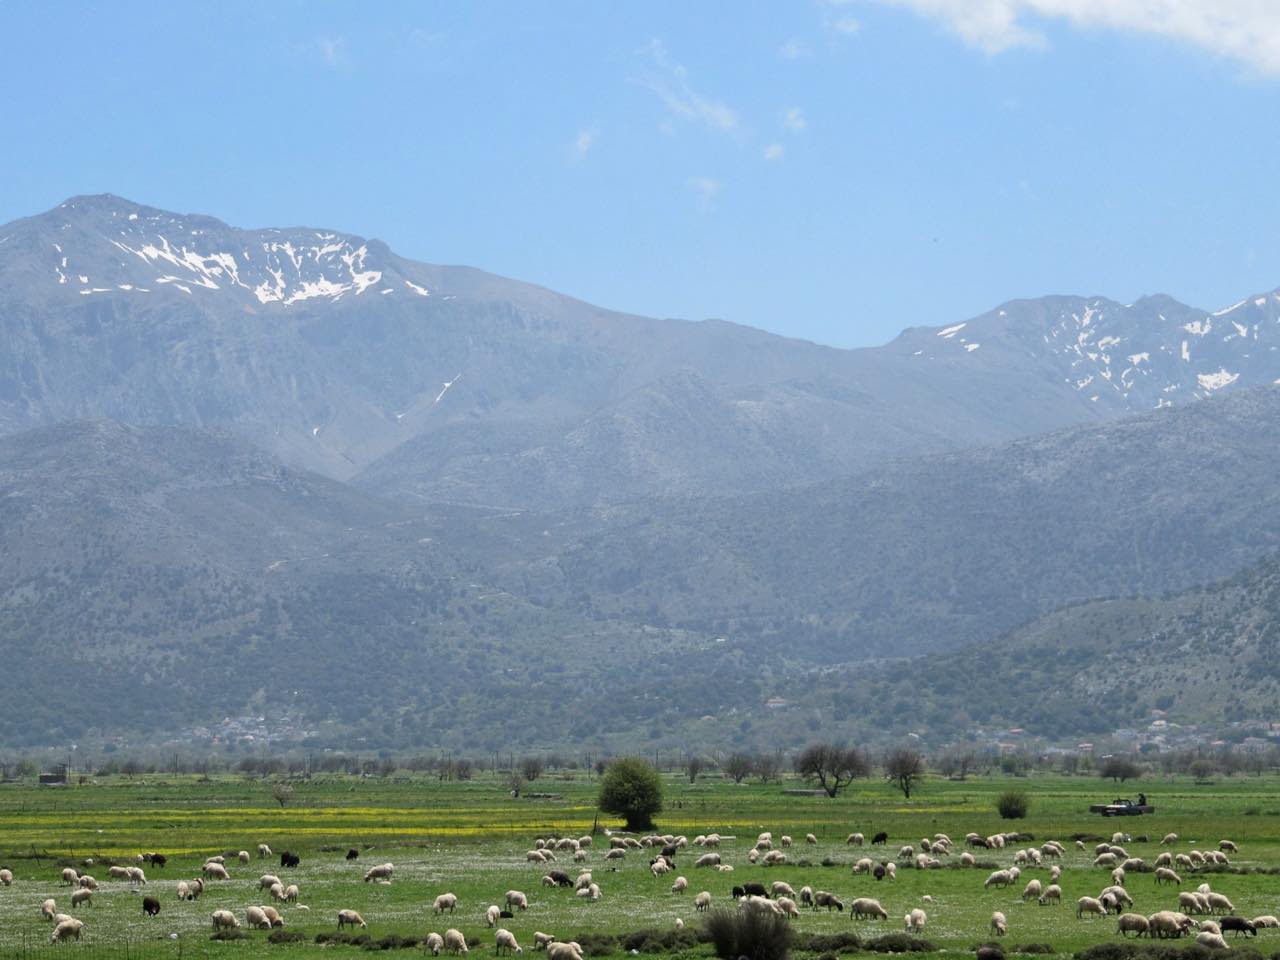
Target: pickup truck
<point>1122,808</point>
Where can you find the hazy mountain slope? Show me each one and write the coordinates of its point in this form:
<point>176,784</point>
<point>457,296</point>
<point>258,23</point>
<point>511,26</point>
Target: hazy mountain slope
<point>931,553</point>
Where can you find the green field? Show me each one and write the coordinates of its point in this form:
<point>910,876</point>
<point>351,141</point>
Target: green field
<point>470,838</point>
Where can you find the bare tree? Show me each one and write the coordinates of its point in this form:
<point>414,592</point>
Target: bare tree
<point>904,767</point>
<point>693,767</point>
<point>739,766</point>
<point>766,767</point>
<point>531,768</point>
<point>833,767</point>
<point>282,793</point>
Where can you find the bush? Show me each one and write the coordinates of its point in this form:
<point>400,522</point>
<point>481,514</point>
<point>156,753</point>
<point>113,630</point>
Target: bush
<point>900,943</point>
<point>653,940</point>
<point>286,936</point>
<point>830,943</point>
<point>631,789</point>
<point>596,944</point>
<point>232,934</point>
<point>1013,805</point>
<point>1034,948</point>
<point>753,934</point>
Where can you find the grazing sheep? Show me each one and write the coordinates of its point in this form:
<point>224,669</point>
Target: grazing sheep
<point>1227,846</point>
<point>1107,859</point>
<point>184,891</point>
<point>866,907</point>
<point>1211,926</point>
<point>536,856</point>
<point>277,892</point>
<point>518,900</point>
<point>1133,923</point>
<point>225,920</point>
<point>263,851</point>
<point>999,925</point>
<point>256,919</point>
<point>967,859</point>
<point>1032,890</point>
<point>823,899</point>
<point>891,870</point>
<point>540,940</point>
<point>806,896</point>
<point>118,873</point>
<point>1000,878</point>
<point>70,877</point>
<point>1117,875</point>
<point>702,902</point>
<point>1239,925</point>
<point>150,906</point>
<point>1218,903</point>
<point>1164,860</point>
<point>680,885</point>
<point>773,858</point>
<point>68,929</point>
<point>1168,923</point>
<point>786,841</point>
<point>382,871</point>
<point>49,908</point>
<point>563,951</point>
<point>707,860</point>
<point>780,888</point>
<point>1212,940</point>
<point>491,915</point>
<point>616,853</point>
<point>914,921</point>
<point>810,839</point>
<point>215,871</point>
<point>273,916</point>
<point>855,839</point>
<point>1055,873</point>
<point>350,918</point>
<point>291,893</point>
<point>1266,920</point>
<point>82,896</point>
<point>1169,838</point>
<point>243,856</point>
<point>446,901</point>
<point>659,867</point>
<point>863,865</point>
<point>136,876</point>
<point>268,880</point>
<point>1052,894</point>
<point>454,941</point>
<point>1165,875</point>
<point>504,941</point>
<point>1090,905</point>
<point>216,859</point>
<point>87,882</point>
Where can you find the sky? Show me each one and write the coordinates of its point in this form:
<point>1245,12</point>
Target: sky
<point>835,171</point>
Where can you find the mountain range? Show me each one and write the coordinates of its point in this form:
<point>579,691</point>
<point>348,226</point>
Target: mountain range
<point>412,505</point>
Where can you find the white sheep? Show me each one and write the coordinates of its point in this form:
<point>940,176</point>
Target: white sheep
<point>215,871</point>
<point>446,901</point>
<point>263,851</point>
<point>518,900</point>
<point>562,951</point>
<point>1090,905</point>
<point>505,941</point>
<point>350,918</point>
<point>540,940</point>
<point>291,893</point>
<point>1169,838</point>
<point>856,839</point>
<point>256,919</point>
<point>136,876</point>
<point>87,882</point>
<point>243,856</point>
<point>70,877</point>
<point>382,871</point>
<point>914,921</point>
<point>999,925</point>
<point>998,878</point>
<point>273,916</point>
<point>1052,894</point>
<point>118,873</point>
<point>787,907</point>
<point>1133,923</point>
<point>867,907</point>
<point>491,915</point>
<point>49,908</point>
<point>810,839</point>
<point>680,885</point>
<point>225,920</point>
<point>277,892</point>
<point>82,896</point>
<point>68,929</point>
<point>1212,940</point>
<point>1165,875</point>
<point>1032,890</point>
<point>702,902</point>
<point>433,944</point>
<point>454,941</point>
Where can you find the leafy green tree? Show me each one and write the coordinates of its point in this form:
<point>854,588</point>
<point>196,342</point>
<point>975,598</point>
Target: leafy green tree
<point>631,789</point>
<point>832,766</point>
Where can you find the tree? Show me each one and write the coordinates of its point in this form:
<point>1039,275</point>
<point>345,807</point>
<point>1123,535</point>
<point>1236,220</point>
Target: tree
<point>833,767</point>
<point>766,767</point>
<point>282,793</point>
<point>631,789</point>
<point>1119,769</point>
<point>739,766</point>
<point>531,768</point>
<point>693,767</point>
<point>957,763</point>
<point>904,767</point>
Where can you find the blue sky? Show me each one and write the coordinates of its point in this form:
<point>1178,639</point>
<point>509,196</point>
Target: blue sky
<point>833,171</point>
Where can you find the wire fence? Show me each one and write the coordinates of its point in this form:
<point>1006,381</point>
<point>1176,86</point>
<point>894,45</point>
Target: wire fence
<point>31,948</point>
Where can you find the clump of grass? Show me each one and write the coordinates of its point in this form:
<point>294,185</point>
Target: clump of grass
<point>1013,805</point>
<point>658,941</point>
<point>753,934</point>
<point>286,936</point>
<point>232,934</point>
<point>900,943</point>
<point>830,943</point>
<point>596,944</point>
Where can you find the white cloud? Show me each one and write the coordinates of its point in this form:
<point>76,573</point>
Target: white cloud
<point>706,188</point>
<point>670,82</point>
<point>794,120</point>
<point>583,142</point>
<point>333,50</point>
<point>794,49</point>
<point>837,19</point>
<point>1244,30</point>
<point>774,151</point>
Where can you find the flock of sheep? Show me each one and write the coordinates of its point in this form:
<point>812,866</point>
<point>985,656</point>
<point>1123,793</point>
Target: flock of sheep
<point>1202,912</point>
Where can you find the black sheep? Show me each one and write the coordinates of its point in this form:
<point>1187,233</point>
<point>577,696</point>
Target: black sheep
<point>561,878</point>
<point>880,837</point>
<point>754,890</point>
<point>150,906</point>
<point>353,853</point>
<point>288,859</point>
<point>879,871</point>
<point>1239,925</point>
<point>669,851</point>
<point>505,914</point>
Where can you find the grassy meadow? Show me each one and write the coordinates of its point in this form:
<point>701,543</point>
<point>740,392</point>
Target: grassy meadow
<point>470,838</point>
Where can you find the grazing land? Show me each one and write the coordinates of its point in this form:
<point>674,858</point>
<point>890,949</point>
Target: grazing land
<point>470,838</point>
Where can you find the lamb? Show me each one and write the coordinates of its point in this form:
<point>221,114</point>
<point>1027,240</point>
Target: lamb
<point>1052,894</point>
<point>446,901</point>
<point>680,885</point>
<point>277,892</point>
<point>150,906</point>
<point>780,888</point>
<point>215,871</point>
<point>702,902</point>
<point>454,941</point>
<point>540,940</point>
<point>1212,940</point>
<point>82,896</point>
<point>1133,923</point>
<point>49,908</point>
<point>806,895</point>
<point>787,907</point>
<point>273,916</point>
<point>999,925</point>
<point>269,880</point>
<point>256,919</point>
<point>382,871</point>
<point>1165,875</point>
<point>1032,890</point>
<point>1239,925</point>
<point>1089,905</point>
<point>786,841</point>
<point>823,899</point>
<point>810,839</point>
<point>866,907</point>
<point>518,900</point>
<point>855,839</point>
<point>68,929</point>
<point>350,918</point>
<point>773,858</point>
<point>291,893</point>
<point>491,915</point>
<point>70,877</point>
<point>914,921</point>
<point>263,851</point>
<point>225,920</point>
<point>243,856</point>
<point>504,940</point>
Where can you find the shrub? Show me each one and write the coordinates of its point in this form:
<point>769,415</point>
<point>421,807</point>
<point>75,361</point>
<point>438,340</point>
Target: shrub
<point>830,943</point>
<point>631,789</point>
<point>753,934</point>
<point>286,936</point>
<point>1013,805</point>
<point>232,934</point>
<point>596,944</point>
<point>900,943</point>
<point>1034,948</point>
<point>653,940</point>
